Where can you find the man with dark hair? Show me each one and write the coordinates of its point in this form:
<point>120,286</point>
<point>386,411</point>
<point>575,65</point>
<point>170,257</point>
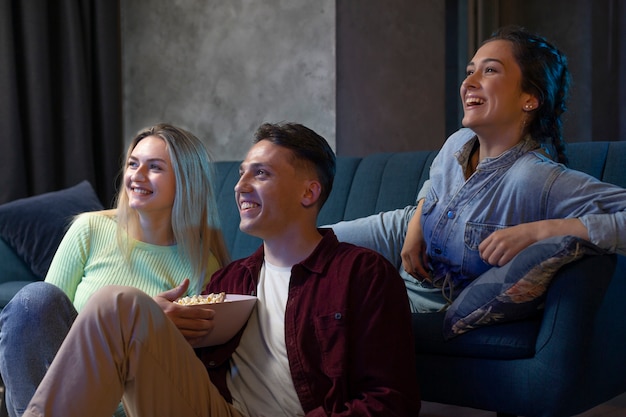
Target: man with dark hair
<point>330,334</point>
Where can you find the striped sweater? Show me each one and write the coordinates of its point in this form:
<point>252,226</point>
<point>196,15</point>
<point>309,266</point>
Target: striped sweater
<point>89,258</point>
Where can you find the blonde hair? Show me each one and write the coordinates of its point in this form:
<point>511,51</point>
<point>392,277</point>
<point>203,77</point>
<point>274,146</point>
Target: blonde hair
<point>195,220</point>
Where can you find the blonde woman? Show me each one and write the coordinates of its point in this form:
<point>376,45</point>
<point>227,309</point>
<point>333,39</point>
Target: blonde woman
<point>163,234</point>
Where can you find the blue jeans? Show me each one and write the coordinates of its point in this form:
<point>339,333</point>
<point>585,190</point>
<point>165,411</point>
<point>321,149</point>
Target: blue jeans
<point>385,233</point>
<point>32,327</point>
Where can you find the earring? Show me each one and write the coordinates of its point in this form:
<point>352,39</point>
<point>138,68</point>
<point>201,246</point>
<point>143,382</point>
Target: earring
<point>528,107</point>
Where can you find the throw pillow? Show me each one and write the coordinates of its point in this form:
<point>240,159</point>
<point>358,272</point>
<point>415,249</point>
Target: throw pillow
<point>34,226</point>
<point>516,290</point>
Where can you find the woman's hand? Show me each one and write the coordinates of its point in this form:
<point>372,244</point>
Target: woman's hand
<point>414,258</point>
<point>195,323</point>
<point>502,245</point>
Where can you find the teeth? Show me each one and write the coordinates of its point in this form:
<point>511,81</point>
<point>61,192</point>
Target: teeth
<point>140,191</point>
<point>474,100</point>
<point>247,205</point>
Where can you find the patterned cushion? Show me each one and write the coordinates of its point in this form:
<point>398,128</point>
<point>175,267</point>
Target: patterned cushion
<point>516,290</point>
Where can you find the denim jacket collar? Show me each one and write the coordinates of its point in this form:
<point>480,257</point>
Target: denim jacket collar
<point>506,158</point>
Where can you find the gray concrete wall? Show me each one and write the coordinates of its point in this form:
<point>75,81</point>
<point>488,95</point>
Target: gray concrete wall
<point>220,68</point>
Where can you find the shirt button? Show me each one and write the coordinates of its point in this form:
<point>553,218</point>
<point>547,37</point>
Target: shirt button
<point>337,316</point>
<point>212,363</point>
<point>451,214</point>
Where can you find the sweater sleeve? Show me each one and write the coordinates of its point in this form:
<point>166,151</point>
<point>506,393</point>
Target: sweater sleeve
<point>68,265</point>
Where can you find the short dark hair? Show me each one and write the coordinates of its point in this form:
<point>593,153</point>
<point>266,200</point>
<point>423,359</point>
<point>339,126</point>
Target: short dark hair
<point>306,145</point>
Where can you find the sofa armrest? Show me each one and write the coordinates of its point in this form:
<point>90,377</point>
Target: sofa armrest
<point>14,273</point>
<point>571,357</point>
<point>12,267</point>
<point>573,301</point>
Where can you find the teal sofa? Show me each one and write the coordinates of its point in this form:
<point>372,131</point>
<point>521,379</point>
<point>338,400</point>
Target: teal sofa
<point>560,364</point>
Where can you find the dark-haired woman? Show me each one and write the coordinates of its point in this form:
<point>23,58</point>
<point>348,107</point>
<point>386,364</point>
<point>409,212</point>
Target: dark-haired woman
<point>499,184</point>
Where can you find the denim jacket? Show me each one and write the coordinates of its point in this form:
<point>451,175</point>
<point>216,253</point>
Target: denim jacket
<point>521,185</point>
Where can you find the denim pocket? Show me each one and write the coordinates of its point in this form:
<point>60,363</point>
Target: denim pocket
<point>475,233</point>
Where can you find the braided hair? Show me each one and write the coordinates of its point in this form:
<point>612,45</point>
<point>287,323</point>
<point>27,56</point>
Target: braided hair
<point>546,76</point>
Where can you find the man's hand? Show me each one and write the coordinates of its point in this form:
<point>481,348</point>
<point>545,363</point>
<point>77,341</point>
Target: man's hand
<point>195,323</point>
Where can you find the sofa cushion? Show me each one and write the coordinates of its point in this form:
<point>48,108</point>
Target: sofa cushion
<point>383,182</point>
<point>13,266</point>
<point>33,227</point>
<point>514,340</point>
<point>516,290</point>
<point>14,273</point>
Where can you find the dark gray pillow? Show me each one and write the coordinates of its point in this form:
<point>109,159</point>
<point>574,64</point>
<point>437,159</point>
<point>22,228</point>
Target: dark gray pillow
<point>516,290</point>
<point>34,226</point>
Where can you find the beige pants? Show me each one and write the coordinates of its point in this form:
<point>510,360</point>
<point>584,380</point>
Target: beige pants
<point>123,346</point>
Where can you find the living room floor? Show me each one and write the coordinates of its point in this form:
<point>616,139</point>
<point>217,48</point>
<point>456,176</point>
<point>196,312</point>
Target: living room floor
<point>613,408</point>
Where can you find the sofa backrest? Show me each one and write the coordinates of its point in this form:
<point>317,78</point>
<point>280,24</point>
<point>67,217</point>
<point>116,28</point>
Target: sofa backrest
<point>362,186</point>
<point>603,160</point>
<point>386,181</point>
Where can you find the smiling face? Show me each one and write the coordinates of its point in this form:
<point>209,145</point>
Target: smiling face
<point>271,193</point>
<point>149,178</point>
<point>493,102</point>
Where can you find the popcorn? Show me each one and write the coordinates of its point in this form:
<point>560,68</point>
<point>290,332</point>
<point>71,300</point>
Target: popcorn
<point>202,299</point>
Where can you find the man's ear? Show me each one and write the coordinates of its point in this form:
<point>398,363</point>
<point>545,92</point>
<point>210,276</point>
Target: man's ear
<point>312,193</point>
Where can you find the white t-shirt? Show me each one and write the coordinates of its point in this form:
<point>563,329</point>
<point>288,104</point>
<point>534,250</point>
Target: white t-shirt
<point>259,380</point>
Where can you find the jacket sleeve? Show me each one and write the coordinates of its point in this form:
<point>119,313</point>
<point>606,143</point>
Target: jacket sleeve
<point>600,206</point>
